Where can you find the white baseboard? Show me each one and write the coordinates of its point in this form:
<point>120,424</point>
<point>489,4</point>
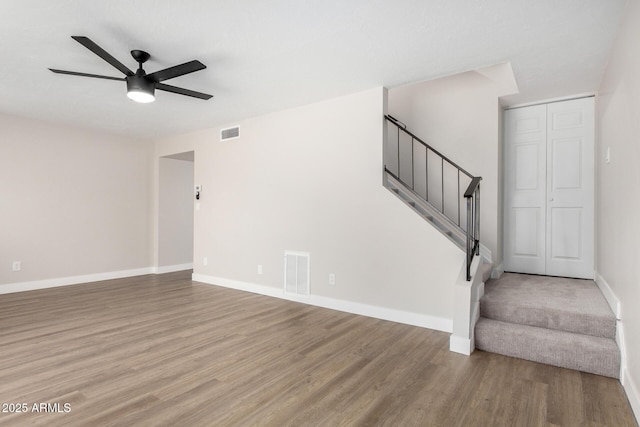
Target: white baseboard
<point>73,280</point>
<point>172,268</point>
<point>633,393</point>
<point>486,254</point>
<point>611,298</point>
<point>384,313</point>
<point>622,346</point>
<point>630,387</point>
<point>461,345</point>
<point>497,271</point>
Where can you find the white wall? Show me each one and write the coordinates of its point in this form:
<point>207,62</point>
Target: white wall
<point>175,212</point>
<point>309,179</point>
<point>72,202</point>
<point>618,199</point>
<point>459,116</point>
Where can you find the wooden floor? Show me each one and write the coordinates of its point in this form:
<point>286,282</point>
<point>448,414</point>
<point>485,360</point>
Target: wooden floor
<point>163,350</point>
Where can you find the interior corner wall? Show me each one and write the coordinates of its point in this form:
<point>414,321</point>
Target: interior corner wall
<point>175,215</point>
<point>73,202</point>
<point>618,204</point>
<point>309,179</point>
<point>460,117</point>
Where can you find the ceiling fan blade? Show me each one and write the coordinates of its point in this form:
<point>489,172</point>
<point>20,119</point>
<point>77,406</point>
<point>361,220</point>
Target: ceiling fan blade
<point>178,70</point>
<point>97,76</point>
<point>86,42</point>
<point>181,91</point>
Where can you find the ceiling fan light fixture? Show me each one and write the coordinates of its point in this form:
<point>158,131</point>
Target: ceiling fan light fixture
<point>140,89</point>
<point>140,86</point>
<point>141,97</point>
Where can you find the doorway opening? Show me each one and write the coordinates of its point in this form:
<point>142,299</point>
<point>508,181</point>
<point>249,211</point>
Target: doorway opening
<point>175,212</point>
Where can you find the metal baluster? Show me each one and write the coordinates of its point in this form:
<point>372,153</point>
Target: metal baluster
<point>413,176</point>
<point>442,181</point>
<point>458,197</point>
<point>468,251</point>
<point>426,173</point>
<point>398,139</point>
<point>477,217</point>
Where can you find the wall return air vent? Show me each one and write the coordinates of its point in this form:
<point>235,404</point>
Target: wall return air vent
<point>296,273</point>
<point>230,133</point>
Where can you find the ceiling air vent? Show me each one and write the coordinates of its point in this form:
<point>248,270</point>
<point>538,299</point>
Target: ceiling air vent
<point>230,133</point>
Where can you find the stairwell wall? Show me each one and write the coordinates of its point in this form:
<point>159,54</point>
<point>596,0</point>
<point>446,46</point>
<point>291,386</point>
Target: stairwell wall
<point>459,116</point>
<point>310,179</point>
<point>617,183</point>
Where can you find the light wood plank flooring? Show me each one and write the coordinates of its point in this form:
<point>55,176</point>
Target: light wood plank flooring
<point>163,350</point>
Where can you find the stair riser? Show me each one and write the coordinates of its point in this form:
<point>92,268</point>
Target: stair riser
<point>584,324</point>
<point>595,355</point>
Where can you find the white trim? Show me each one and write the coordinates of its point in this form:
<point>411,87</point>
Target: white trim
<point>461,345</point>
<point>633,393</point>
<point>384,313</point>
<point>623,348</point>
<point>173,268</point>
<point>497,271</point>
<point>485,253</point>
<point>466,309</point>
<point>552,100</point>
<point>73,280</point>
<point>630,388</point>
<point>611,298</point>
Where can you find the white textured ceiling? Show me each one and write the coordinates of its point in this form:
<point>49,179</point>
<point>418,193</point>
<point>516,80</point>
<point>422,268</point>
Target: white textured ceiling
<point>268,55</point>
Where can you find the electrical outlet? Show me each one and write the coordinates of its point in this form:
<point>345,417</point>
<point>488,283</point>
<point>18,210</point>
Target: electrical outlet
<point>205,261</point>
<point>259,268</point>
<point>17,266</point>
<point>332,279</point>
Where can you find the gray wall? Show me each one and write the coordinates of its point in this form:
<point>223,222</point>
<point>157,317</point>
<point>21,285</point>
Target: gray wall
<point>617,183</point>
<point>72,202</point>
<point>309,179</point>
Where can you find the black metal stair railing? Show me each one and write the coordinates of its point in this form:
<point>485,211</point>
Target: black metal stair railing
<point>449,175</point>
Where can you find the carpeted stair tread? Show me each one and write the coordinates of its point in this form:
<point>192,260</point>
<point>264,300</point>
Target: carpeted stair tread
<point>585,353</point>
<point>562,304</point>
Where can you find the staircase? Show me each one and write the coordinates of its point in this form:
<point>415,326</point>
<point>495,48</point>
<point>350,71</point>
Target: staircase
<point>434,187</point>
<point>448,197</point>
<point>556,321</point>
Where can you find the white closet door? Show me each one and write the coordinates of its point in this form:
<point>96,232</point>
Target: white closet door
<point>549,189</point>
<point>570,188</point>
<point>525,189</point>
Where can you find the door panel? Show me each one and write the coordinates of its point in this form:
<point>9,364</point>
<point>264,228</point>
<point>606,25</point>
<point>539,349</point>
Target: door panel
<point>567,171</point>
<point>525,188</point>
<point>527,229</point>
<point>565,225</point>
<point>570,178</point>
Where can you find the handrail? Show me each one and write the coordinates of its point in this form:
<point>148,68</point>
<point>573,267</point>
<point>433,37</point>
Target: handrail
<point>404,129</point>
<point>475,182</point>
<point>472,193</point>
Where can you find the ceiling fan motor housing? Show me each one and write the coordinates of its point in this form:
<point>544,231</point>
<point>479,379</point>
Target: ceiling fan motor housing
<point>139,83</point>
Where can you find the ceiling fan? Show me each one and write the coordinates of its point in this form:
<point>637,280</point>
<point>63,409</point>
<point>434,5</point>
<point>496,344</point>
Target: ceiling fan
<point>140,85</point>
